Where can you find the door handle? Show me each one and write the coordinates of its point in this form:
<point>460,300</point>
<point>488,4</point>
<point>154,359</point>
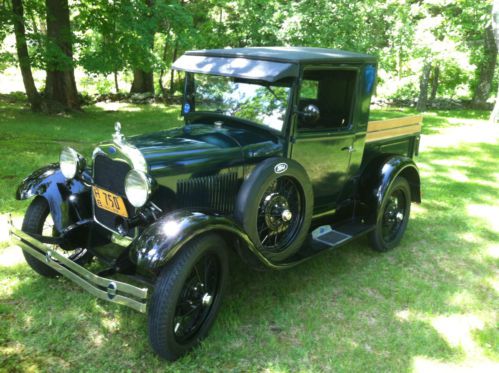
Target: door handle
<point>348,149</point>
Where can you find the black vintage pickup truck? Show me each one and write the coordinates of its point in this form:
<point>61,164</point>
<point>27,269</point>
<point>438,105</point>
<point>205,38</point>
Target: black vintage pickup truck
<point>277,162</point>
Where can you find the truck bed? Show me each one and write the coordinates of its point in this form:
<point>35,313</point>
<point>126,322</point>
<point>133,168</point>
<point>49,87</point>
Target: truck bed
<point>393,136</point>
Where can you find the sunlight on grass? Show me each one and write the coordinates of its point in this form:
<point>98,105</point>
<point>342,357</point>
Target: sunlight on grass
<point>425,365</point>
<point>11,256</point>
<point>493,251</point>
<point>481,132</point>
<point>457,330</point>
<point>489,214</point>
<point>115,106</point>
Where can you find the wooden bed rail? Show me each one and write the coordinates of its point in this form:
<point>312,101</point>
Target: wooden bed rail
<point>384,129</point>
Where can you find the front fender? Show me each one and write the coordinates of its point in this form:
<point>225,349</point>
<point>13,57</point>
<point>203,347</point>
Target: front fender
<point>379,176</point>
<point>49,183</point>
<point>159,242</point>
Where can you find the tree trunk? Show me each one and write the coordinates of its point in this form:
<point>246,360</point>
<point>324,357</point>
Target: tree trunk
<point>434,83</point>
<point>60,87</point>
<point>116,86</point>
<point>172,72</point>
<point>142,82</point>
<point>486,71</point>
<point>162,71</point>
<point>34,97</point>
<point>495,27</point>
<point>423,87</point>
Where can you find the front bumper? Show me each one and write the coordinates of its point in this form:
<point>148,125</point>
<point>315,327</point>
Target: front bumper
<point>101,287</point>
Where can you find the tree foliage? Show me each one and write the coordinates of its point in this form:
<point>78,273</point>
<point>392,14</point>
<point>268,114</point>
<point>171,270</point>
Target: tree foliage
<point>447,42</point>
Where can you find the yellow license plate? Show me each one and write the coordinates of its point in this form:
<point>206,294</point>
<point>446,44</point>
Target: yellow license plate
<point>110,202</point>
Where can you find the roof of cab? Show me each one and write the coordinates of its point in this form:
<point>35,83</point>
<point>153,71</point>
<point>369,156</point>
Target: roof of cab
<point>288,54</point>
<point>263,63</point>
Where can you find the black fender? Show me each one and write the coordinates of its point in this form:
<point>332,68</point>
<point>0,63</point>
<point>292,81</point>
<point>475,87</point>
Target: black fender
<point>49,183</point>
<point>378,176</point>
<point>164,238</point>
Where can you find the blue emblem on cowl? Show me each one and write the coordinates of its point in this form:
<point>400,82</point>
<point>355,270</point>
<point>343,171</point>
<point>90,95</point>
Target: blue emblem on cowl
<point>112,149</point>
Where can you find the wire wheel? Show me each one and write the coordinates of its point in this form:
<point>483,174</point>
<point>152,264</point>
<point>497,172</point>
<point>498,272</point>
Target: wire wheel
<point>393,217</point>
<point>196,298</point>
<point>280,214</point>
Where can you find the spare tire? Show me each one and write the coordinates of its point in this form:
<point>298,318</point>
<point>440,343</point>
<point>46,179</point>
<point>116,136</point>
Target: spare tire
<point>274,206</point>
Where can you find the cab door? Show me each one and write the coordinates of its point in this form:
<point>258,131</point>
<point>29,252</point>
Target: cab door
<point>324,146</point>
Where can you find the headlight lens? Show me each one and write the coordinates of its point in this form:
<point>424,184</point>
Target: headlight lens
<point>70,162</point>
<point>137,188</point>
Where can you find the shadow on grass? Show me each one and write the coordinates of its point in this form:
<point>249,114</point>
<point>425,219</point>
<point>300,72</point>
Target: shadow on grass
<point>350,309</point>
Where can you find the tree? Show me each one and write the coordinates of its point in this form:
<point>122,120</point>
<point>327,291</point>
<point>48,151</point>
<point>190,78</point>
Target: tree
<point>495,27</point>
<point>486,70</point>
<point>143,79</point>
<point>23,58</point>
<point>101,50</point>
<point>60,86</point>
<point>423,87</point>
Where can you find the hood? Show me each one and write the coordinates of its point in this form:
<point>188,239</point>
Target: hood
<point>203,149</point>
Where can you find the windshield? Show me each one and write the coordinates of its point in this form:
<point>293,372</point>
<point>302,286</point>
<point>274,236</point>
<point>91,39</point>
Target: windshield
<point>259,102</point>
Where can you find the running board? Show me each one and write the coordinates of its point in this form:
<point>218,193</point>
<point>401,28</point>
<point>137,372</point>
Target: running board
<point>325,238</point>
<point>328,236</point>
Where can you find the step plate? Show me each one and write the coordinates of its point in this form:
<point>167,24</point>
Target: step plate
<point>328,236</point>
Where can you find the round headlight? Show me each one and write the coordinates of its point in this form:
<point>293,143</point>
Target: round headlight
<point>137,188</point>
<point>69,162</point>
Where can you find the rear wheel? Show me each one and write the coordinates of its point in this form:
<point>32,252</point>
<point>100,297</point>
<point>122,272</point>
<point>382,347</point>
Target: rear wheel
<point>187,296</point>
<point>38,220</point>
<point>393,218</point>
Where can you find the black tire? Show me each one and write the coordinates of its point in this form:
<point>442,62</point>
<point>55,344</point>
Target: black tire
<point>179,286</point>
<point>393,216</point>
<point>257,214</point>
<point>34,221</point>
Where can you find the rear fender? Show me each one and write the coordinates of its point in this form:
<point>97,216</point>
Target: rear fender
<point>49,182</point>
<point>160,241</point>
<point>379,176</point>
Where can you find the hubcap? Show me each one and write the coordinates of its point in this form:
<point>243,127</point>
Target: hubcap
<point>207,299</point>
<point>287,215</point>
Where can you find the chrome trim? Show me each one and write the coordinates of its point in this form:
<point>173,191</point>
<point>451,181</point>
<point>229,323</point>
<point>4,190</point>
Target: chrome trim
<point>118,137</point>
<point>101,287</point>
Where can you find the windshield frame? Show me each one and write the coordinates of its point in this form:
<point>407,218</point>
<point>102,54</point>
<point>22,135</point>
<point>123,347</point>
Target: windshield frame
<point>192,112</point>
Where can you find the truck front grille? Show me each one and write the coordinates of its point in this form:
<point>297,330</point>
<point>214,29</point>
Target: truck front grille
<point>217,192</point>
<point>110,175</point>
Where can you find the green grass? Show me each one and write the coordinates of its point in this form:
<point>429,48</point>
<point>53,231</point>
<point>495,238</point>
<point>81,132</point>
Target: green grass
<point>431,304</point>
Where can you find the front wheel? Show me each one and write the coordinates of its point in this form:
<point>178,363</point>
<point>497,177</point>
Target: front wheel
<point>187,296</point>
<point>393,217</point>
<point>38,220</point>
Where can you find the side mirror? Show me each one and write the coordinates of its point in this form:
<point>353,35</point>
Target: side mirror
<point>310,113</point>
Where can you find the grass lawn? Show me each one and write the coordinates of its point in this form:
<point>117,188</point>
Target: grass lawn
<point>429,305</point>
